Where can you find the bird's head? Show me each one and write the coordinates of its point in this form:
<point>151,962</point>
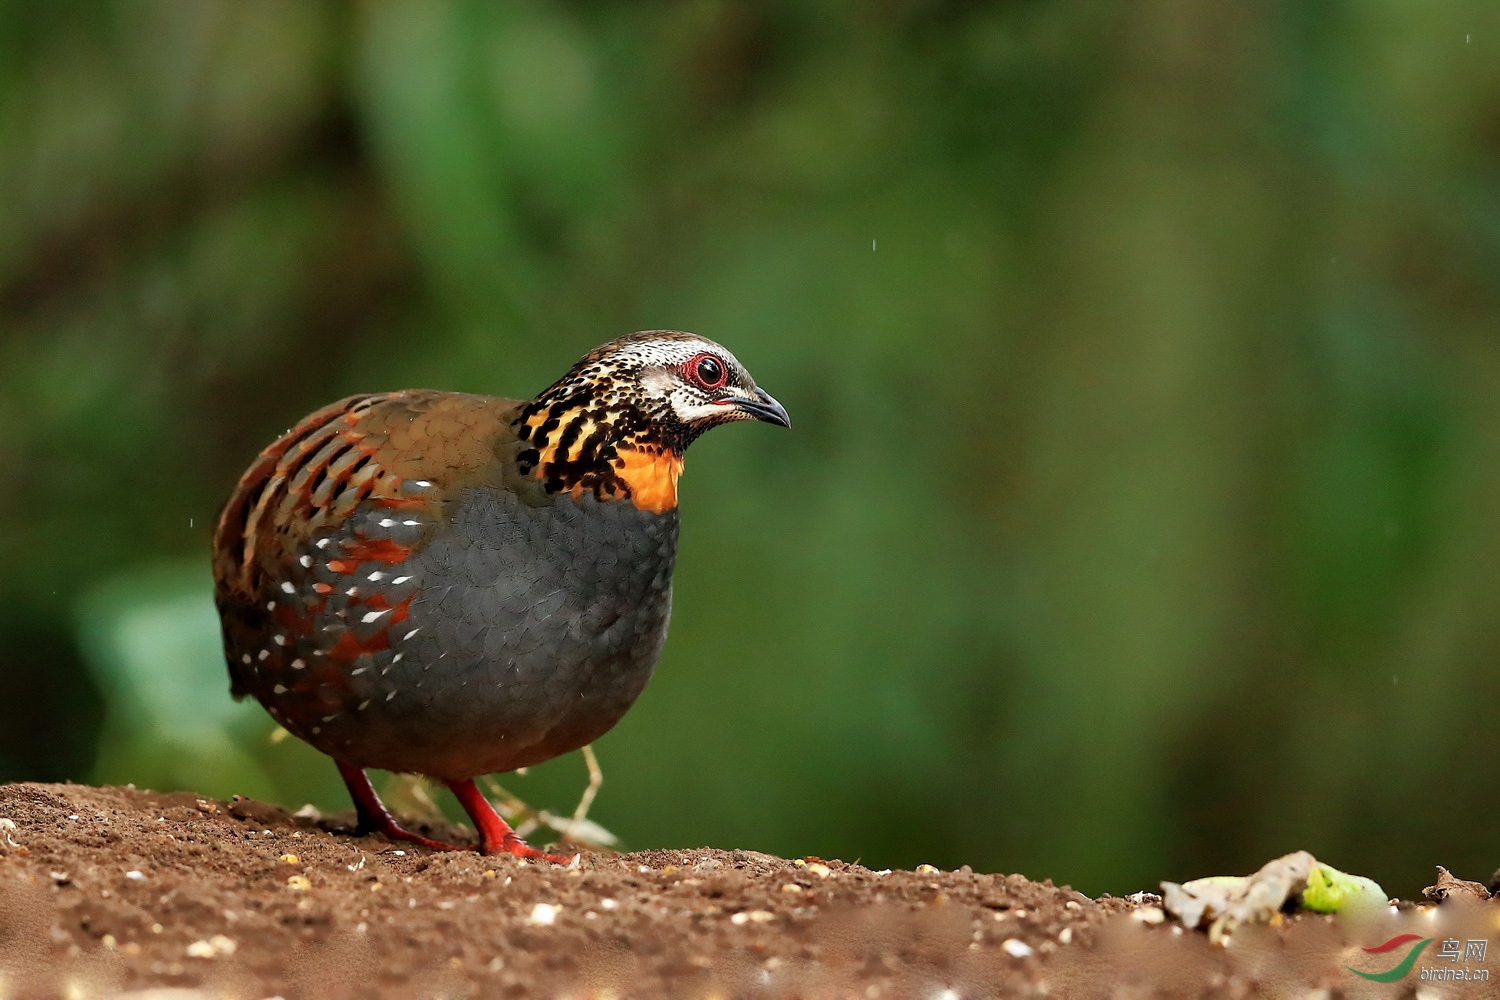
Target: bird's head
<point>619,421</point>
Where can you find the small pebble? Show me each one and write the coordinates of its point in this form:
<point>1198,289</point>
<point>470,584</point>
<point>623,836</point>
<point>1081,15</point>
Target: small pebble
<point>212,948</point>
<point>289,859</point>
<point>926,870</point>
<point>1149,915</point>
<point>136,876</point>
<point>298,883</point>
<point>1016,947</point>
<point>543,914</point>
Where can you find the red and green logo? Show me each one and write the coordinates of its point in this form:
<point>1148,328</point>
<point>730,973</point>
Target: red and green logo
<point>1402,967</point>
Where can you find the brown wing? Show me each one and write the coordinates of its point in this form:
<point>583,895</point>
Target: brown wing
<point>406,451</point>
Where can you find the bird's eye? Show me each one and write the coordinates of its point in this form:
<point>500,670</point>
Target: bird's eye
<point>707,371</point>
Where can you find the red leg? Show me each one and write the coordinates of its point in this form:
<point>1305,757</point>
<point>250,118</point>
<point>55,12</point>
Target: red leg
<point>495,835</point>
<point>374,817</point>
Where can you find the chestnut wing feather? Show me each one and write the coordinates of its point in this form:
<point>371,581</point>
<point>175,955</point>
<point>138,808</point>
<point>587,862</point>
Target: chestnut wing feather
<point>366,449</point>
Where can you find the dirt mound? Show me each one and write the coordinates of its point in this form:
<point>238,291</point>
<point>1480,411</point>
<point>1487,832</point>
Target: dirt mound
<point>109,890</point>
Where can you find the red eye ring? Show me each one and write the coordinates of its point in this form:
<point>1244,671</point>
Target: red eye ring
<point>707,371</point>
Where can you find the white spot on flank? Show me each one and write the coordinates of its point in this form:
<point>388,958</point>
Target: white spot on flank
<point>270,605</point>
<point>397,657</point>
<point>352,591</point>
<point>386,522</point>
<point>280,640</point>
<point>298,664</point>
<point>410,634</point>
<point>357,671</point>
<point>288,588</point>
<point>245,659</point>
<point>371,616</point>
<point>376,576</point>
<point>391,695</point>
<point>400,580</point>
<point>364,704</point>
<point>263,655</point>
<point>330,718</point>
<point>306,561</point>
<point>411,524</point>
<point>322,543</point>
<point>316,730</point>
<point>424,483</point>
<point>279,689</point>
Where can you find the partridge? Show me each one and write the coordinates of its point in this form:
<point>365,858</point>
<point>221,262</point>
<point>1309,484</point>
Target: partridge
<point>456,585</point>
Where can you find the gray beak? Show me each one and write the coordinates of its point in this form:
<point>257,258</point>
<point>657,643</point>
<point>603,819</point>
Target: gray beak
<point>764,407</point>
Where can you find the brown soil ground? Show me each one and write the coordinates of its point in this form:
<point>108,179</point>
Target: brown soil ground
<point>111,891</point>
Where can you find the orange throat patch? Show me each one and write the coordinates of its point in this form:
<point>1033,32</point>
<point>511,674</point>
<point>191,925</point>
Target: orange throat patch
<point>582,453</point>
<point>651,475</point>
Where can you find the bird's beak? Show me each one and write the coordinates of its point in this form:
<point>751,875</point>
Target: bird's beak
<point>764,407</point>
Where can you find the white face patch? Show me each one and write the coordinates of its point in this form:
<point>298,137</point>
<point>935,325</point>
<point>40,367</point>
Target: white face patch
<point>661,378</point>
<point>694,406</point>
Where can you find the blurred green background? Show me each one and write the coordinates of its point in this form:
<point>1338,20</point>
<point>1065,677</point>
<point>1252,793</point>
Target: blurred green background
<point>1140,515</point>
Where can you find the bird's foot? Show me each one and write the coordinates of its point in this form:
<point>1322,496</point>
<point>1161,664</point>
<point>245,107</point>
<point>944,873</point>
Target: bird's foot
<point>374,817</point>
<point>391,831</point>
<point>513,845</point>
<point>496,835</point>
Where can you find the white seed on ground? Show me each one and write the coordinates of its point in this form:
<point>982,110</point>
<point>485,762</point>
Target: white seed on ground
<point>543,914</point>
<point>287,587</point>
<point>1016,948</point>
<point>1149,915</point>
